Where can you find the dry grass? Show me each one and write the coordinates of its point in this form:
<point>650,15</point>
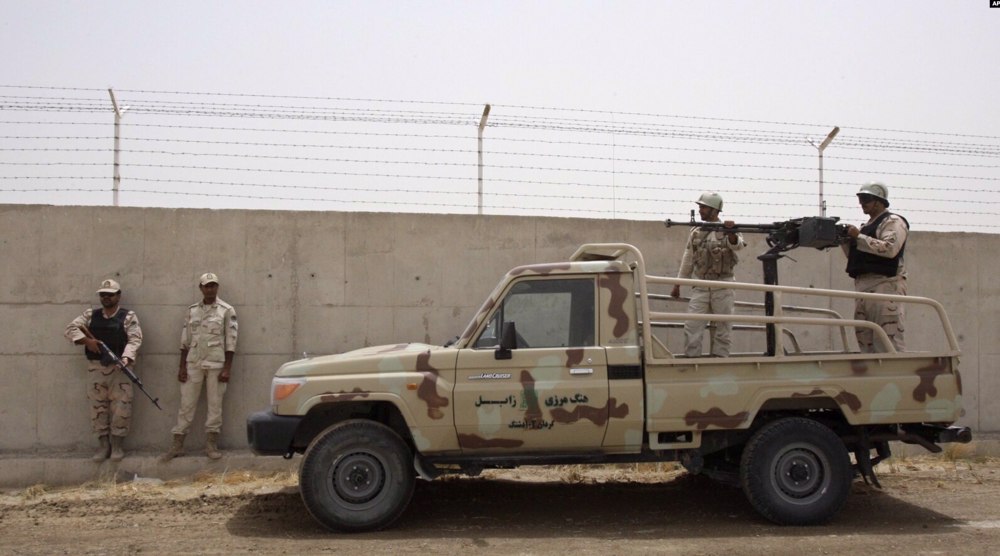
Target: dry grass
<point>955,451</point>
<point>206,484</point>
<point>34,491</point>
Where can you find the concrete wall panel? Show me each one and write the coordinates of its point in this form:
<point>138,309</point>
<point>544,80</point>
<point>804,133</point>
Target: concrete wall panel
<point>19,402</point>
<point>62,411</point>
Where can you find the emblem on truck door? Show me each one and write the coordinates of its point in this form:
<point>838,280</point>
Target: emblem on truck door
<point>490,376</point>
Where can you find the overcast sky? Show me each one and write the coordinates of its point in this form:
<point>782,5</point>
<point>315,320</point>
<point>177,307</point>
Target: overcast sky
<point>921,65</point>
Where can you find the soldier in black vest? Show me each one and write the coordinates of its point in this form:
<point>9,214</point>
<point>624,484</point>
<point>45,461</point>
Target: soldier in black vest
<point>108,389</point>
<point>875,261</point>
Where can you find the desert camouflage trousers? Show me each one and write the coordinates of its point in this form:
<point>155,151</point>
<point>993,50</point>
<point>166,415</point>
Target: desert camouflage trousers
<point>887,314</point>
<point>705,301</point>
<point>191,393</point>
<point>110,395</point>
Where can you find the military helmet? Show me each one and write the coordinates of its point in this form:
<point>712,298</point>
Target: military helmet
<point>876,189</point>
<point>711,200</point>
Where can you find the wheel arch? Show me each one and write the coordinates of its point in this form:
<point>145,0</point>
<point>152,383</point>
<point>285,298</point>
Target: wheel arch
<point>382,409</point>
<point>821,404</point>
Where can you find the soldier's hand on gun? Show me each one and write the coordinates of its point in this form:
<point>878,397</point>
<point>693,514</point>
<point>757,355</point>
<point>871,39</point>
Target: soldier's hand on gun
<point>92,345</point>
<point>676,292</point>
<point>732,237</point>
<point>853,231</point>
<point>126,361</point>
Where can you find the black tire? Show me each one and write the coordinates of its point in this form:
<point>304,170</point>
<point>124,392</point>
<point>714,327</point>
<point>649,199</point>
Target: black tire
<point>796,471</point>
<point>356,476</point>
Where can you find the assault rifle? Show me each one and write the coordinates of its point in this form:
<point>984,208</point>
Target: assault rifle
<point>819,232</point>
<point>108,357</point>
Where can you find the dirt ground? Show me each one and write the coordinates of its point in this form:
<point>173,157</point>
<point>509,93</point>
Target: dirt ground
<point>928,505</point>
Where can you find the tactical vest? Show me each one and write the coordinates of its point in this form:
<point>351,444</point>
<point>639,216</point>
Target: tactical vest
<point>860,262</point>
<point>111,331</point>
<point>713,259</point>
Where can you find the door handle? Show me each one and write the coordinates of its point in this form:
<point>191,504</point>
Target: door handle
<point>581,371</point>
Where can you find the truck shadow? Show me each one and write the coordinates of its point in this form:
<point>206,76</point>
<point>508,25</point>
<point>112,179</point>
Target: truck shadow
<point>685,507</point>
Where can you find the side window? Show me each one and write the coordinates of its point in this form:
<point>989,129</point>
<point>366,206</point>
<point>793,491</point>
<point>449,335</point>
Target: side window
<point>490,338</point>
<point>547,313</point>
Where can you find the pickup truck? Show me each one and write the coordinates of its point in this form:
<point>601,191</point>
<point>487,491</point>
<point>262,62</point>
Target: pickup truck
<point>566,363</point>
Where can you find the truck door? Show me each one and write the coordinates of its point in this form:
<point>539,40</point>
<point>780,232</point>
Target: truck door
<point>552,391</point>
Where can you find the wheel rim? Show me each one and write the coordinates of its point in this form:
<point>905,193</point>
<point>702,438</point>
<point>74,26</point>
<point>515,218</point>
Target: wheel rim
<point>358,478</point>
<point>799,474</point>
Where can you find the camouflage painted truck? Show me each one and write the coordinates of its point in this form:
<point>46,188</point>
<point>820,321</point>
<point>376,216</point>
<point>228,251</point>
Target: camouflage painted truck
<point>564,364</point>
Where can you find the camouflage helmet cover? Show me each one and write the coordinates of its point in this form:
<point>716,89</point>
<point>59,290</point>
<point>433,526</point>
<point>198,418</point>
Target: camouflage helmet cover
<point>711,200</point>
<point>876,189</point>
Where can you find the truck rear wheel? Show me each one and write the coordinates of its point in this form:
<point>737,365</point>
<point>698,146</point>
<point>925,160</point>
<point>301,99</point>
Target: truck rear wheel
<point>796,471</point>
<point>356,476</point>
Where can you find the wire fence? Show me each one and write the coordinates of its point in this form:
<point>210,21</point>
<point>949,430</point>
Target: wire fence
<point>220,150</point>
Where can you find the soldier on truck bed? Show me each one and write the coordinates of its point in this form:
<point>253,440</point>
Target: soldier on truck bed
<point>709,255</point>
<point>875,261</point>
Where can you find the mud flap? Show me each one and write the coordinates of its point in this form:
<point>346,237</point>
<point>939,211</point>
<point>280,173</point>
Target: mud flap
<point>865,465</point>
<point>425,470</point>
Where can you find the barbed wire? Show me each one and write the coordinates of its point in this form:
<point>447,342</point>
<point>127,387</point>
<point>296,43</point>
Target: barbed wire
<point>493,152</point>
<point>543,151</point>
<point>440,136</point>
<point>660,189</point>
<point>469,151</point>
<point>533,122</point>
<point>469,206</point>
<point>612,113</point>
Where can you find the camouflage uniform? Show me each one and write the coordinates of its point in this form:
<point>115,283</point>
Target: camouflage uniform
<point>209,332</point>
<point>709,255</point>
<point>108,389</point>
<point>888,242</point>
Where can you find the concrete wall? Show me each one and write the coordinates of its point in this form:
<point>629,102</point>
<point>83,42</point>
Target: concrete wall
<point>322,282</point>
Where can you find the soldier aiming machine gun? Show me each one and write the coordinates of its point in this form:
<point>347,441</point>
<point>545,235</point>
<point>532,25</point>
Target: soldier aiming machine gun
<point>819,232</point>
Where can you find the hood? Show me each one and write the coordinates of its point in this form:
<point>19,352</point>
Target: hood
<point>387,358</point>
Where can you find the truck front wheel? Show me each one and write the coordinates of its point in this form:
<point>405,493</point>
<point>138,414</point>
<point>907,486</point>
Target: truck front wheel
<point>796,471</point>
<point>356,476</point>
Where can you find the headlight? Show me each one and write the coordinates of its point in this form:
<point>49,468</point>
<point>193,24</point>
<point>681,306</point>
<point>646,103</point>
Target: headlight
<point>281,388</point>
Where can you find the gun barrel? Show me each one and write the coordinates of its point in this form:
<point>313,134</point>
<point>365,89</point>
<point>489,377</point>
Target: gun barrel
<point>719,226</point>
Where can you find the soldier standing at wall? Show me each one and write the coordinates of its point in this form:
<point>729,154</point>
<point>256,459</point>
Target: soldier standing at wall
<point>875,261</point>
<point>108,389</point>
<point>208,345</point>
<point>709,255</point>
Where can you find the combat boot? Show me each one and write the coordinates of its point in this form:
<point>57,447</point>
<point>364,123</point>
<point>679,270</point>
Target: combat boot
<point>176,449</point>
<point>212,446</point>
<point>117,450</point>
<point>102,453</point>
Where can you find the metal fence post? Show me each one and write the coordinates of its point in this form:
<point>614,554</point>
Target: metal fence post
<point>482,125</point>
<point>820,148</point>
<point>117,179</point>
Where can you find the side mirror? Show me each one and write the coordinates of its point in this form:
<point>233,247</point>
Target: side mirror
<point>508,341</point>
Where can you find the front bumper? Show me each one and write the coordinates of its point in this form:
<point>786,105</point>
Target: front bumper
<point>271,435</point>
